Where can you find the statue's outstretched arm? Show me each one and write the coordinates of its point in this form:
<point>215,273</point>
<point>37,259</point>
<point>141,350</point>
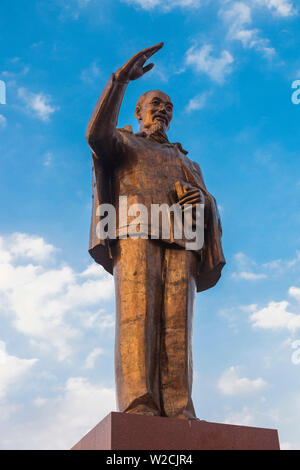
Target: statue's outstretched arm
<point>101,129</point>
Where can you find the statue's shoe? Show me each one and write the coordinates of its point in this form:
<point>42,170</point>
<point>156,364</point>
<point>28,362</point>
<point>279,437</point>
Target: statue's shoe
<point>143,410</point>
<point>186,415</point>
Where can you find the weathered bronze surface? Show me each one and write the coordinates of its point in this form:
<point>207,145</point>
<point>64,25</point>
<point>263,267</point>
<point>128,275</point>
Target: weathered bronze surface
<point>155,280</point>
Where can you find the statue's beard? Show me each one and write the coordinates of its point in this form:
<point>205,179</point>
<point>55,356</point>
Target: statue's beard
<point>157,132</point>
<point>157,127</point>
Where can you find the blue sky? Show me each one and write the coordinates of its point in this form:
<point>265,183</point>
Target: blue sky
<point>228,67</point>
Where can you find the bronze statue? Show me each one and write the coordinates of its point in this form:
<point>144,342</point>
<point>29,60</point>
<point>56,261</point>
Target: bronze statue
<point>155,279</point>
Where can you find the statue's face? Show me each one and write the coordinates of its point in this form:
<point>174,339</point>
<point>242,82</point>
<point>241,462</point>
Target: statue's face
<point>156,111</point>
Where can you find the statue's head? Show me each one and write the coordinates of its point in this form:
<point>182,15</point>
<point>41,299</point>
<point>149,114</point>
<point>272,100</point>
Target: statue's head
<point>154,111</point>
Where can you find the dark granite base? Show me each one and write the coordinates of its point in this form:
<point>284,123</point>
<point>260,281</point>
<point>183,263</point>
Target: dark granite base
<point>122,431</point>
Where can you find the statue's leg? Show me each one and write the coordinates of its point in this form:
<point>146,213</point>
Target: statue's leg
<point>176,369</point>
<point>138,287</point>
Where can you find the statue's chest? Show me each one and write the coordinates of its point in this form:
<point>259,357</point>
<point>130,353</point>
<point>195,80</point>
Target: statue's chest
<point>152,160</point>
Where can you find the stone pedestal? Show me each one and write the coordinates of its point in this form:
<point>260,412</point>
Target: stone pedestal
<point>122,431</point>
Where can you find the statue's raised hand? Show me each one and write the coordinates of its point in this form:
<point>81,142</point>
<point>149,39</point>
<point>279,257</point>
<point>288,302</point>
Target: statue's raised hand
<point>134,68</point>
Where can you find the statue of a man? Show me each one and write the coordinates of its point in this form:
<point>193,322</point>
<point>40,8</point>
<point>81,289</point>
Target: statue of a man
<point>155,279</point>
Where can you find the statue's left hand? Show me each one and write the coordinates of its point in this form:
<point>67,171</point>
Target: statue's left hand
<point>191,196</point>
<point>134,68</point>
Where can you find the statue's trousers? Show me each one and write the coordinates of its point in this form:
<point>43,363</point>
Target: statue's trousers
<point>155,288</point>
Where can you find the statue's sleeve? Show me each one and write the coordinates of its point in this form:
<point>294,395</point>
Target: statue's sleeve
<point>102,136</point>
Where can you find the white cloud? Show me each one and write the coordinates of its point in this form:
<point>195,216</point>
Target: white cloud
<point>12,369</point>
<point>246,267</point>
<point>60,422</point>
<point>93,270</point>
<point>40,300</point>
<point>249,270</point>
<point>243,260</point>
<point>22,245</point>
<point>91,358</point>
<point>100,320</point>
<point>241,418</point>
<point>38,104</point>
<point>238,17</point>
<point>73,8</point>
<point>231,383</point>
<point>295,292</point>
<point>203,61</point>
<point>248,308</point>
<point>13,75</point>
<point>275,316</point>
<point>282,8</point>
<point>248,276</point>
<point>233,315</point>
<point>165,5</point>
<point>198,102</point>
<point>3,121</point>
